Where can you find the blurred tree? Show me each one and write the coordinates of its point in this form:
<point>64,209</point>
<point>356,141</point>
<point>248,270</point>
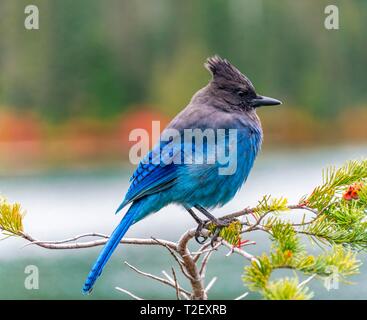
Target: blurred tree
<point>93,58</point>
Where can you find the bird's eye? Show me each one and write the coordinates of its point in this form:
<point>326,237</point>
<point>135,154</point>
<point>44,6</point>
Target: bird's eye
<point>241,93</point>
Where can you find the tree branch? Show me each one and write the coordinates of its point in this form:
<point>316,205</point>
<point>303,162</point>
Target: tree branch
<point>187,261</point>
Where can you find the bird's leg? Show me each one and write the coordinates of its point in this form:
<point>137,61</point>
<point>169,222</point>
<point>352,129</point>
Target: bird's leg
<point>193,214</point>
<point>218,222</point>
<point>200,227</point>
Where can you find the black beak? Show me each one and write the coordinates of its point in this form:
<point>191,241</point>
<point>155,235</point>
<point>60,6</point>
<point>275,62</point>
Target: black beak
<point>264,101</point>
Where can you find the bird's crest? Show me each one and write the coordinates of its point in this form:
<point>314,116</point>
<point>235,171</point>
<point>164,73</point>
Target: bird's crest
<point>222,69</point>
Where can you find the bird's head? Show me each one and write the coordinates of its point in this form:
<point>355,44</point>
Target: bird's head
<point>233,88</point>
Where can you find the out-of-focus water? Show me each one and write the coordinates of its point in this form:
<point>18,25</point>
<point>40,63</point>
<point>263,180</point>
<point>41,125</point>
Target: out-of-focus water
<point>63,204</point>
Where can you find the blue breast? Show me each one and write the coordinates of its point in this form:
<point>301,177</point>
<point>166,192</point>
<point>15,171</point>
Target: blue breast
<point>205,185</point>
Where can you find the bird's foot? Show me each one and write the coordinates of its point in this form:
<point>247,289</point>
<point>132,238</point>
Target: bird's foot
<point>219,224</point>
<point>199,237</point>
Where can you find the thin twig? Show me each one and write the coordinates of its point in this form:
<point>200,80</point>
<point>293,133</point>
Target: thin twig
<point>155,278</point>
<point>301,207</point>
<point>176,284</point>
<point>206,259</point>
<point>243,253</point>
<point>237,214</point>
<point>248,211</point>
<point>303,283</point>
<point>77,237</point>
<point>88,244</point>
<point>129,293</point>
<point>210,284</point>
<point>171,251</point>
<point>196,254</point>
<point>241,296</point>
<point>248,243</point>
<point>257,223</point>
<point>179,261</point>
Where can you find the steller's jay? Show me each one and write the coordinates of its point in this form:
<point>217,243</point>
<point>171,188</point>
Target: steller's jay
<point>228,102</point>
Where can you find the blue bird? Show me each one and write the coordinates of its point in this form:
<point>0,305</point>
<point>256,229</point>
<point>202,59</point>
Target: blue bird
<point>170,172</point>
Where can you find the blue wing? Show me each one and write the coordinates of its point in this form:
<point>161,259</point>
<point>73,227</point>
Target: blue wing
<point>151,176</point>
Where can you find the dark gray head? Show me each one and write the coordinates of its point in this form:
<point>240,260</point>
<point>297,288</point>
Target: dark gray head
<point>234,88</point>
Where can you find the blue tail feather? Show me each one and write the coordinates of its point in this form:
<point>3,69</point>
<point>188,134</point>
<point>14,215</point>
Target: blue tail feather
<point>109,247</point>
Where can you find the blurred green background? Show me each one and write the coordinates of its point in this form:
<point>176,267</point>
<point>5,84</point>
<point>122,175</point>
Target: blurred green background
<point>98,58</point>
<point>71,92</point>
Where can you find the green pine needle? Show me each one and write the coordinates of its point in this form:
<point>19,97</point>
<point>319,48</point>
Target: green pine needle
<point>11,218</point>
<point>231,233</point>
<point>286,289</point>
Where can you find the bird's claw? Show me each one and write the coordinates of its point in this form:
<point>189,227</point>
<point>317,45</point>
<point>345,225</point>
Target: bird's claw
<point>219,225</point>
<point>198,233</point>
